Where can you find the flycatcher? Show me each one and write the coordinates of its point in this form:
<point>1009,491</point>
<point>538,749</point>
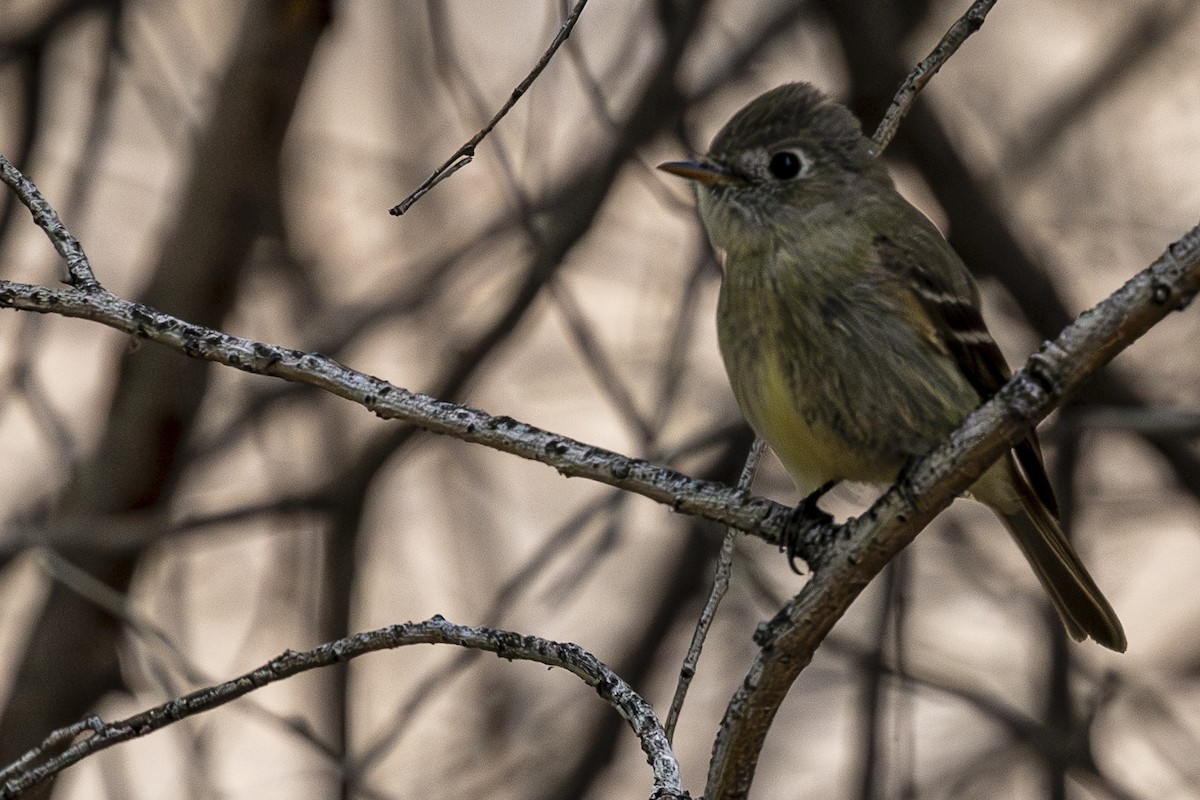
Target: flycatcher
<point>851,331</point>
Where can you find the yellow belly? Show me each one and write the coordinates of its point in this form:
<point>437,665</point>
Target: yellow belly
<point>812,453</point>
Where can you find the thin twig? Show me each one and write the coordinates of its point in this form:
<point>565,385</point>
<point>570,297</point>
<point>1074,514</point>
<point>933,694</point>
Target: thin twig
<point>32,769</point>
<point>463,155</point>
<point>79,271</point>
<point>906,95</point>
<point>719,587</point>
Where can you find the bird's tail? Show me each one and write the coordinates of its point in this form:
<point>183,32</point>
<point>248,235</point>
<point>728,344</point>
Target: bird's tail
<point>1079,602</point>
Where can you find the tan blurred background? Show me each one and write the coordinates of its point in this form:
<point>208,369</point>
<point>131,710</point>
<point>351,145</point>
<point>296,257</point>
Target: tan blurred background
<point>170,524</point>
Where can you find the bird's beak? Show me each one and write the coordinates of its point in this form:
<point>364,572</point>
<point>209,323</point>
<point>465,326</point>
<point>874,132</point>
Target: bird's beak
<point>704,172</point>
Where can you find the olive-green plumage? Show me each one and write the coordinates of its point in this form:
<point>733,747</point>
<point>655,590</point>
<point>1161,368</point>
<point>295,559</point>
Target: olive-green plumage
<point>851,330</point>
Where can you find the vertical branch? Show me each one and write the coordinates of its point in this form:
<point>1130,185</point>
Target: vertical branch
<point>719,588</point>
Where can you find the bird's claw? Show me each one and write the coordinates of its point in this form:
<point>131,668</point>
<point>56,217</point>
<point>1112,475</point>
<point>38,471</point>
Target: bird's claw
<point>806,515</point>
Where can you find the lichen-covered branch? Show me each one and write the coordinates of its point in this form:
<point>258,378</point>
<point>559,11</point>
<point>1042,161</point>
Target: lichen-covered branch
<point>570,457</point>
<point>906,95</point>
<point>92,735</point>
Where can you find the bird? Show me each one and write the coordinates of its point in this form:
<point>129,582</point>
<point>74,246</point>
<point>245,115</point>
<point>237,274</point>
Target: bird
<point>851,331</point>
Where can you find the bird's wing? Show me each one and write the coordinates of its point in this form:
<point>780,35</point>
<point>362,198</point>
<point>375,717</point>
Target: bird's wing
<point>947,298</point>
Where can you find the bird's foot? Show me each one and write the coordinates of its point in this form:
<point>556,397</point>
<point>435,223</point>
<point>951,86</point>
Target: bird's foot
<point>805,516</point>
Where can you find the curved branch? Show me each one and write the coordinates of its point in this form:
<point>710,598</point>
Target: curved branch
<point>49,758</point>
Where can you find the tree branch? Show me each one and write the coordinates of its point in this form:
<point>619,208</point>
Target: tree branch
<point>35,767</point>
<point>79,271</point>
<point>465,154</point>
<point>720,586</point>
<point>715,501</point>
<point>906,95</point>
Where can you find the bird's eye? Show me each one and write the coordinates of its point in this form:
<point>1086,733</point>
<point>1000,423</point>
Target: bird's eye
<point>785,165</point>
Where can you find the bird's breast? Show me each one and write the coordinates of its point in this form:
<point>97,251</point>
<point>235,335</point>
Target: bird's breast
<point>780,370</point>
